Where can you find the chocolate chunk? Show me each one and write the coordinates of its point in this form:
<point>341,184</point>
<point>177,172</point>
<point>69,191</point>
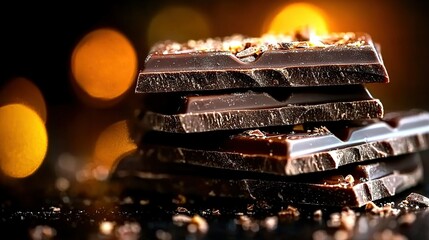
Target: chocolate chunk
<point>240,62</point>
<point>418,199</point>
<point>256,118</point>
<point>353,187</point>
<point>294,151</point>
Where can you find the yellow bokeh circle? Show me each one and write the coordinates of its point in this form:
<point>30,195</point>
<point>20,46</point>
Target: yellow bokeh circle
<point>178,23</point>
<point>23,140</point>
<point>113,143</point>
<point>23,91</point>
<point>104,64</point>
<point>295,17</point>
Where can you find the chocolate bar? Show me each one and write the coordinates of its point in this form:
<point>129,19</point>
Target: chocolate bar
<point>258,118</point>
<point>245,110</point>
<point>200,102</point>
<point>239,62</point>
<point>295,151</point>
<point>254,109</point>
<point>351,186</point>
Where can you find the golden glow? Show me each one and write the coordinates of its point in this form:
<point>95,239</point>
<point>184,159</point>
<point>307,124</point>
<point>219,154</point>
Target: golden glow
<point>23,91</point>
<point>23,140</point>
<point>104,64</point>
<point>177,23</point>
<point>297,16</point>
<point>112,144</point>
<point>106,228</point>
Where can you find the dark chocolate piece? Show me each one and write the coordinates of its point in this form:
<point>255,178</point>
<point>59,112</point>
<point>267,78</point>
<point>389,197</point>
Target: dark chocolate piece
<point>170,103</point>
<point>298,152</point>
<point>352,188</point>
<point>418,199</point>
<point>256,118</point>
<point>276,61</point>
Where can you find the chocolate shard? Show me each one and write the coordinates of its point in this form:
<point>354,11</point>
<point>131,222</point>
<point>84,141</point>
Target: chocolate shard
<point>418,199</point>
<point>270,61</point>
<point>256,118</point>
<point>297,152</point>
<point>353,187</point>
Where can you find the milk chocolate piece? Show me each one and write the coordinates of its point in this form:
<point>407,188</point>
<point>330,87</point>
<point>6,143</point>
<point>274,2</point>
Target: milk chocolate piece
<point>297,152</point>
<point>291,114</point>
<point>271,61</point>
<point>354,186</point>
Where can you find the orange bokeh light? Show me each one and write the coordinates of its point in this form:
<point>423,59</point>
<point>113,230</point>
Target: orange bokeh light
<point>178,23</point>
<point>295,17</point>
<point>23,91</point>
<point>113,143</point>
<point>104,64</point>
<point>23,140</point>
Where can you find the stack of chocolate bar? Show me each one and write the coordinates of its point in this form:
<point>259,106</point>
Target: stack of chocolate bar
<point>276,118</point>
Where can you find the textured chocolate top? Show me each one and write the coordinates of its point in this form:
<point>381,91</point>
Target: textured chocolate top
<point>270,61</point>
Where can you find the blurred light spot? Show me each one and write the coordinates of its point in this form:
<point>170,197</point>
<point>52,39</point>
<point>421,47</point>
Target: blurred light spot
<point>163,235</point>
<point>106,228</point>
<point>42,232</point>
<point>67,162</point>
<point>128,231</point>
<point>100,173</point>
<point>113,143</point>
<point>104,65</point>
<point>62,184</point>
<point>127,200</point>
<point>83,175</point>
<point>178,23</point>
<point>295,17</point>
<point>23,91</point>
<point>66,200</point>
<point>23,140</point>
<point>200,224</point>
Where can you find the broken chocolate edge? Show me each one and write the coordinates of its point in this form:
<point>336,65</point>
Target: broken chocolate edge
<point>258,118</point>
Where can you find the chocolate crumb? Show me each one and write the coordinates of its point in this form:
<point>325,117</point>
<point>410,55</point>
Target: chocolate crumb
<point>216,212</point>
<point>385,211</point>
<point>317,215</point>
<point>255,133</point>
<point>182,210</point>
<point>289,212</point>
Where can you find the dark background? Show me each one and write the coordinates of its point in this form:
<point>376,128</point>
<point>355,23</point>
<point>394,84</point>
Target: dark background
<point>38,38</point>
